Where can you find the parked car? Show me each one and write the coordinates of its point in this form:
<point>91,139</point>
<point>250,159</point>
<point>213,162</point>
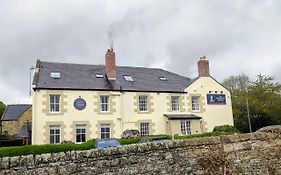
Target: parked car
<point>154,139</point>
<point>106,143</point>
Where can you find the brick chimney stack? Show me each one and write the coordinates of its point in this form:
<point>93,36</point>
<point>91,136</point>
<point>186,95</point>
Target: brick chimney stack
<point>203,67</point>
<point>110,67</point>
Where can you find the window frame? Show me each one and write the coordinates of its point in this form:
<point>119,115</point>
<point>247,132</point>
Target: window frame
<point>144,129</point>
<point>104,104</point>
<point>105,134</point>
<point>185,127</point>
<point>55,128</point>
<point>128,78</point>
<point>175,105</point>
<point>56,103</point>
<point>195,103</point>
<point>143,103</point>
<point>80,133</point>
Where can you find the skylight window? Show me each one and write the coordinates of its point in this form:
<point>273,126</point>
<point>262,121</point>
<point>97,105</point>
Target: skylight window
<point>55,75</point>
<point>128,78</point>
<point>99,75</point>
<point>163,78</point>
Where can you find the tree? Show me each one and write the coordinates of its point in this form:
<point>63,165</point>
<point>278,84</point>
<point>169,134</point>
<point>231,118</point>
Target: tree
<point>264,99</point>
<point>2,108</point>
<point>237,83</point>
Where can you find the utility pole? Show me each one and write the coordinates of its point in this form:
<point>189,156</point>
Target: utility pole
<point>248,111</point>
<point>30,79</point>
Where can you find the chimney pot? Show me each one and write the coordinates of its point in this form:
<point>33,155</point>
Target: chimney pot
<point>110,66</point>
<point>203,67</point>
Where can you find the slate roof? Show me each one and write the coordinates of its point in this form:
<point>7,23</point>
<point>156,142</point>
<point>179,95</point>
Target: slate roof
<point>13,112</point>
<point>23,132</point>
<point>181,116</point>
<point>82,77</point>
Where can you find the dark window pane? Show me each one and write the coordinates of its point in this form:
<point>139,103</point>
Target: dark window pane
<point>52,140</point>
<point>52,131</point>
<point>83,139</point>
<point>57,139</point>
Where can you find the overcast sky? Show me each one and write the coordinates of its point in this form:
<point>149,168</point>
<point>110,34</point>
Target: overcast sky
<point>236,36</point>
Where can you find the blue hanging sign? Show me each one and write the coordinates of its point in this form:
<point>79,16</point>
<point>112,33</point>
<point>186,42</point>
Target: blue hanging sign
<point>80,104</point>
<point>216,99</point>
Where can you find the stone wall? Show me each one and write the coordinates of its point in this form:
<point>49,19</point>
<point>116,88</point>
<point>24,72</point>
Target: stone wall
<point>13,127</point>
<point>256,153</point>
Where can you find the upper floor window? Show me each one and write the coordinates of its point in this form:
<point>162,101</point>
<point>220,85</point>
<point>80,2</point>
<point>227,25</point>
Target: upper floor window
<point>105,131</point>
<point>175,103</point>
<point>54,134</point>
<point>104,103</point>
<point>144,129</point>
<point>80,133</point>
<point>128,78</point>
<point>195,103</point>
<point>54,103</point>
<point>143,103</point>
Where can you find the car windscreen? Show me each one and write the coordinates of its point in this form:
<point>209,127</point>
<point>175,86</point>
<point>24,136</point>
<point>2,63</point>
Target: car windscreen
<point>107,143</point>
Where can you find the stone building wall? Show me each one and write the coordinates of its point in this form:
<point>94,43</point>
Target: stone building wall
<point>13,126</point>
<point>256,153</point>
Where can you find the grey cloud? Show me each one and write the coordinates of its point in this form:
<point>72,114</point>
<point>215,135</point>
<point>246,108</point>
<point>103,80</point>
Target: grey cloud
<point>237,36</point>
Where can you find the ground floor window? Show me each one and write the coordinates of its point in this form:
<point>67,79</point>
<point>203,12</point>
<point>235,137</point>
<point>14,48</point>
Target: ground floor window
<point>185,127</point>
<point>144,129</point>
<point>80,133</point>
<point>105,131</point>
<point>54,134</point>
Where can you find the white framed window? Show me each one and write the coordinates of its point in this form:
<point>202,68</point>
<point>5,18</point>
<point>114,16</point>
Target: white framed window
<point>175,103</point>
<point>105,131</point>
<point>186,127</point>
<point>144,129</point>
<point>128,78</point>
<point>54,134</point>
<point>195,103</point>
<point>143,104</point>
<point>54,103</point>
<point>104,103</point>
<point>80,133</point>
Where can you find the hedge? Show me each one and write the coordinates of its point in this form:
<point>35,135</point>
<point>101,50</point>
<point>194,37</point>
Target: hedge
<point>41,149</point>
<point>138,139</point>
<point>206,134</point>
<point>225,128</point>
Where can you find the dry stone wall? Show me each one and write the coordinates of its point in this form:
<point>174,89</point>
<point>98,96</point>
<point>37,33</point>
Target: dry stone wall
<point>256,153</point>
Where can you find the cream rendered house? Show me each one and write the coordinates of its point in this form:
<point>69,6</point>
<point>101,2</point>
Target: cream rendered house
<point>78,102</point>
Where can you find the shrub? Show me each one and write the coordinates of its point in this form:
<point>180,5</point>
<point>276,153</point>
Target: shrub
<point>225,128</point>
<point>41,149</point>
<point>130,133</point>
<point>206,134</point>
<point>124,141</point>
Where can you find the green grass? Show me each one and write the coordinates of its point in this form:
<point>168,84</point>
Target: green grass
<point>41,149</point>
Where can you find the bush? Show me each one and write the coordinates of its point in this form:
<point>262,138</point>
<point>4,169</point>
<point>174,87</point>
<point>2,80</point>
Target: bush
<point>124,141</point>
<point>206,134</point>
<point>225,128</point>
<point>41,149</point>
<point>130,133</point>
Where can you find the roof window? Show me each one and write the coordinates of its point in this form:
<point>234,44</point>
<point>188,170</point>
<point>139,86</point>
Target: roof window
<point>128,78</point>
<point>55,75</point>
<point>163,78</point>
<point>99,75</point>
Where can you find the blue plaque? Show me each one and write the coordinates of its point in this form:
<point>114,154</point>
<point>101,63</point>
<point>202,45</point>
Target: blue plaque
<point>216,99</point>
<point>80,104</point>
